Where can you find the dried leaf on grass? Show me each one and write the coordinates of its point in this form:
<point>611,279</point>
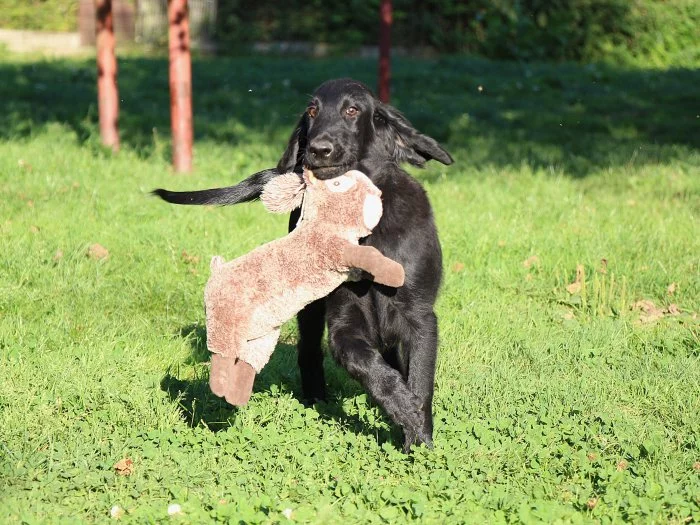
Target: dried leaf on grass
<point>575,287</point>
<point>568,315</point>
<point>673,309</point>
<point>671,288</point>
<point>651,313</point>
<point>458,267</point>
<point>98,252</point>
<point>124,467</point>
<point>603,266</point>
<point>189,259</point>
<point>533,260</point>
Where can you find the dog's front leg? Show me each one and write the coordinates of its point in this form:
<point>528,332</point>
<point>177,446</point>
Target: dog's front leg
<point>350,341</point>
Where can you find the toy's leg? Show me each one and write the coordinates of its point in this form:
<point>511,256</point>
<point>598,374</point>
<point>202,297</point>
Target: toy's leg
<point>223,344</point>
<point>223,367</point>
<point>240,384</point>
<point>220,373</point>
<point>252,357</point>
<point>231,379</point>
<point>257,352</point>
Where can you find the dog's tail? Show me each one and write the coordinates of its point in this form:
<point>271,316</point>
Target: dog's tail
<point>245,191</point>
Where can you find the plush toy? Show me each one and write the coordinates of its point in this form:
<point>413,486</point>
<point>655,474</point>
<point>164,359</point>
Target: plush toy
<point>248,299</point>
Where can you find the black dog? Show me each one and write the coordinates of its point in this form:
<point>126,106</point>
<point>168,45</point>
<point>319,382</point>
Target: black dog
<point>385,338</point>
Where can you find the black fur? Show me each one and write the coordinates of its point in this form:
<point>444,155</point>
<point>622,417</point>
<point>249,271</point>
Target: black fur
<point>385,338</point>
<point>221,196</point>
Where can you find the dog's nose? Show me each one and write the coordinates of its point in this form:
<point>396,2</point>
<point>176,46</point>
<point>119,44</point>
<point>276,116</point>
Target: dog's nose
<point>320,149</point>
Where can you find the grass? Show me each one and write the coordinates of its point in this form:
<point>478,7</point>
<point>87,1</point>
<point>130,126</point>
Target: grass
<point>554,401</point>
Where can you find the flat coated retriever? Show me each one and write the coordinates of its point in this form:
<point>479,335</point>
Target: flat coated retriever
<point>385,338</point>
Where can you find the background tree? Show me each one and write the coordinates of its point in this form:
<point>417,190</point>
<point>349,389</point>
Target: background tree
<point>107,93</point>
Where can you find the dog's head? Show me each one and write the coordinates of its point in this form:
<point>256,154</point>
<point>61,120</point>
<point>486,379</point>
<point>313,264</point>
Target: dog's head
<point>345,124</point>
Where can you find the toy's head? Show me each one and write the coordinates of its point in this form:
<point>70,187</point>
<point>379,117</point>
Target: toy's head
<point>350,201</point>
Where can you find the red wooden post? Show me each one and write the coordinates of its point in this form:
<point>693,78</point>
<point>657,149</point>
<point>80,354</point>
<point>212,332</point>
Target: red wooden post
<point>384,49</point>
<point>107,94</point>
<point>180,84</point>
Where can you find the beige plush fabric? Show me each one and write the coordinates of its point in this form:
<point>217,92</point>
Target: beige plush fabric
<point>248,299</point>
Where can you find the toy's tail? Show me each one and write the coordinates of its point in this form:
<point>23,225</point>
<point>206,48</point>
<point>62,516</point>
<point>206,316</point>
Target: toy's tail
<point>245,191</point>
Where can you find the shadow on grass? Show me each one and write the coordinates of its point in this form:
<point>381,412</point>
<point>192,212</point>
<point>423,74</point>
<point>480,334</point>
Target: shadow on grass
<point>199,406</point>
<point>571,118</point>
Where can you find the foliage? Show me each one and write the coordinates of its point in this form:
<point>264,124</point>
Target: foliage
<point>623,31</point>
<point>656,32</point>
<point>553,403</point>
<point>47,15</point>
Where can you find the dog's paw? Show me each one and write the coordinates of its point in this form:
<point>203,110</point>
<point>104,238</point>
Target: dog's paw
<point>315,393</point>
<point>411,416</point>
<point>416,438</point>
<point>415,426</point>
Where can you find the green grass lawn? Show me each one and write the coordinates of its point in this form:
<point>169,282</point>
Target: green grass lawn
<point>553,402</point>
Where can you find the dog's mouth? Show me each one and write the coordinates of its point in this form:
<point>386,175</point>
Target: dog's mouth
<point>326,172</point>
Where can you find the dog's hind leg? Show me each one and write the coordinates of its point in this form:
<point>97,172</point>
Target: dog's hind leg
<point>311,322</point>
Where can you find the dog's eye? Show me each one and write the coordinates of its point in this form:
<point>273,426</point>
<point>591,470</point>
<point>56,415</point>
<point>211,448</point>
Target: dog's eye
<point>340,184</point>
<point>312,111</point>
<point>351,111</point>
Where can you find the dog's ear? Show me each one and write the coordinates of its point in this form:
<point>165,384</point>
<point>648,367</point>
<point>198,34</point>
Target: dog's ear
<point>293,156</point>
<point>408,144</point>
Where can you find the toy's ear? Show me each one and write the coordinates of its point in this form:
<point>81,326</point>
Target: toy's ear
<point>284,193</point>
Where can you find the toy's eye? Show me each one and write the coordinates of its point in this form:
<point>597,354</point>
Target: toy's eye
<point>340,184</point>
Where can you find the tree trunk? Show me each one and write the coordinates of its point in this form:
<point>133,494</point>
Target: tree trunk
<point>384,49</point>
<point>180,84</point>
<point>107,93</point>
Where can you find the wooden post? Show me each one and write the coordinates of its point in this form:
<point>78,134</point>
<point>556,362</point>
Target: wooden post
<point>180,84</point>
<point>384,49</point>
<point>107,93</point>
